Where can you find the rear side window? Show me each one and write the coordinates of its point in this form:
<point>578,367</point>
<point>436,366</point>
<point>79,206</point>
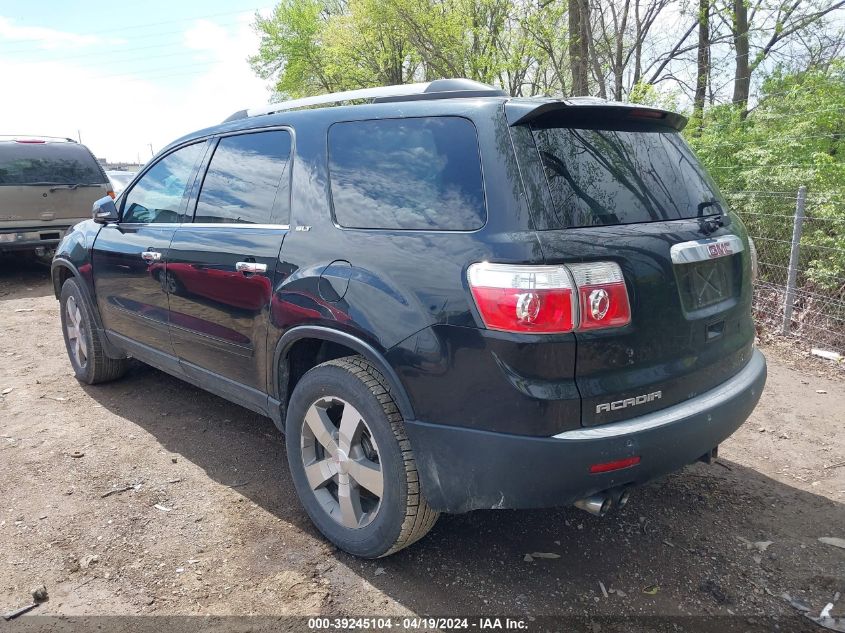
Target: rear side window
<point>602,177</point>
<point>415,173</point>
<point>159,194</point>
<point>48,164</point>
<point>243,178</point>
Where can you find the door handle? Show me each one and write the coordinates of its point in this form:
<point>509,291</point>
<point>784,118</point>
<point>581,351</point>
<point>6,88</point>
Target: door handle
<point>150,256</point>
<point>250,267</point>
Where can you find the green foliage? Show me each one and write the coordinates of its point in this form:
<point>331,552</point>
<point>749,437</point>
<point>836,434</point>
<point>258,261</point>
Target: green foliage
<point>309,47</point>
<point>648,94</point>
<point>291,48</point>
<point>793,137</point>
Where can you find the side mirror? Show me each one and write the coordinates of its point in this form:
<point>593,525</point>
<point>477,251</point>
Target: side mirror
<point>104,211</point>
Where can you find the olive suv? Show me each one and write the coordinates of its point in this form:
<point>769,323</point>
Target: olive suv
<point>446,298</point>
<point>47,184</point>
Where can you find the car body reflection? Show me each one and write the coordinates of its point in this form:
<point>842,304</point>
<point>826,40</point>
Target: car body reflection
<point>216,283</point>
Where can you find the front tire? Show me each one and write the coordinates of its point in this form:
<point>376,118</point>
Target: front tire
<point>351,462</point>
<point>83,341</point>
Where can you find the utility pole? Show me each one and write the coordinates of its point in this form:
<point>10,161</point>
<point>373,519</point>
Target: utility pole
<point>79,136</point>
<point>152,153</point>
<point>792,271</point>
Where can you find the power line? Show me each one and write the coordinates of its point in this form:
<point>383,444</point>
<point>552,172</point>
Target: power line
<point>785,166</point>
<point>130,31</point>
<point>779,139</point>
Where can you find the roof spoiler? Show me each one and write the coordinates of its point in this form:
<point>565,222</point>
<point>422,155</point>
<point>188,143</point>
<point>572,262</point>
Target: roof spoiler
<point>522,111</point>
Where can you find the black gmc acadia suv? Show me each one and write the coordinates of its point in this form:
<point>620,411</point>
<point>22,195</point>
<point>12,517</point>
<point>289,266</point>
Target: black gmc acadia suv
<point>446,298</point>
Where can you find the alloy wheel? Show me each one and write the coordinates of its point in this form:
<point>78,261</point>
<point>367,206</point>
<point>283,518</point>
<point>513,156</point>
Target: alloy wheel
<point>341,461</point>
<point>75,328</point>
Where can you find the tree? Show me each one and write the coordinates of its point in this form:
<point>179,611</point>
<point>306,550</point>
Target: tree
<point>702,64</point>
<point>579,51</point>
<point>614,48</point>
<point>290,51</point>
<point>773,25</point>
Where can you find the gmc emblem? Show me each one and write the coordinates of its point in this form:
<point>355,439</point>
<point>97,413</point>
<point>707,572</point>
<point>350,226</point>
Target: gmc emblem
<point>629,402</point>
<point>719,249</point>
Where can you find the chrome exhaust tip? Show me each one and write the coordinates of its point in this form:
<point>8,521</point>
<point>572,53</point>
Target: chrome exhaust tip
<point>623,499</point>
<point>597,505</point>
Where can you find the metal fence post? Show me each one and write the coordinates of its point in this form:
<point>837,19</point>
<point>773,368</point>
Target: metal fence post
<point>797,226</point>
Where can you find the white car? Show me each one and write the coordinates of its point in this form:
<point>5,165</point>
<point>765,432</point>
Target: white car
<point>119,179</point>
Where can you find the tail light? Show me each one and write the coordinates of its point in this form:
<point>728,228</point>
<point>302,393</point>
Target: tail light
<point>602,295</point>
<point>642,113</point>
<point>523,298</point>
<point>550,299</point>
<point>110,194</point>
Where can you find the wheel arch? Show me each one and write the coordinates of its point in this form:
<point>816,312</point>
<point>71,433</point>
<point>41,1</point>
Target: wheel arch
<point>281,363</point>
<point>63,269</point>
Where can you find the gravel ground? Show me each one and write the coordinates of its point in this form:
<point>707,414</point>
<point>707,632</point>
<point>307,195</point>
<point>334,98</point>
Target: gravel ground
<point>202,518</point>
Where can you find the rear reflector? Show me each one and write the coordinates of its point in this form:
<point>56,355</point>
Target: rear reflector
<point>619,464</point>
<point>29,141</point>
<point>550,299</point>
<point>512,298</point>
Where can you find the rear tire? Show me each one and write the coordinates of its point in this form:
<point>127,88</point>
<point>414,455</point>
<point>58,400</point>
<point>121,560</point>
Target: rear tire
<point>343,425</point>
<point>83,341</point>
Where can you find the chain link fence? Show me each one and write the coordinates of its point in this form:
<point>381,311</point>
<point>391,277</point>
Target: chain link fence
<point>800,287</point>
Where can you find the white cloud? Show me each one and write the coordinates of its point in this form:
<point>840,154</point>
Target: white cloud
<point>44,37</point>
<point>119,115</point>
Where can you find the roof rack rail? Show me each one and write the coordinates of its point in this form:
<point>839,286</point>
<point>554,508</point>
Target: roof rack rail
<point>15,137</point>
<point>437,89</point>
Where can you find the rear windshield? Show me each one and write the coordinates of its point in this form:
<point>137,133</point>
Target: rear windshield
<point>605,177</point>
<point>48,164</point>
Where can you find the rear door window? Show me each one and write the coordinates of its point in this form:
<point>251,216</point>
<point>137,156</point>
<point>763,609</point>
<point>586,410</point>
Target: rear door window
<point>413,174</point>
<point>158,197</point>
<point>606,176</point>
<point>241,185</point>
<point>37,163</point>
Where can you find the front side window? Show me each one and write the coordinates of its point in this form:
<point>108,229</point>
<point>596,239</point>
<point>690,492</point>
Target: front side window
<point>612,176</point>
<point>158,196</point>
<point>243,178</point>
<point>414,174</point>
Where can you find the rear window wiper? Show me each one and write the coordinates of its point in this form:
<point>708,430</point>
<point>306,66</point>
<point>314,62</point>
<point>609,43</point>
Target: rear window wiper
<point>712,222</point>
<point>53,185</point>
<point>74,186</point>
<point>709,203</point>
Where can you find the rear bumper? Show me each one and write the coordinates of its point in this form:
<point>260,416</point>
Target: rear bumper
<point>464,469</point>
<point>25,238</point>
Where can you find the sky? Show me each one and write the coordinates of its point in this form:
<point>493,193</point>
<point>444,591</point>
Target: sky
<point>125,75</point>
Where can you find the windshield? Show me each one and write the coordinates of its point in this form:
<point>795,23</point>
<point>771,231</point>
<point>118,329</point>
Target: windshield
<point>48,164</point>
<point>121,180</point>
<point>605,177</point>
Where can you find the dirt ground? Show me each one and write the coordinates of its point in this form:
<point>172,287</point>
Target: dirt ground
<point>211,525</point>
